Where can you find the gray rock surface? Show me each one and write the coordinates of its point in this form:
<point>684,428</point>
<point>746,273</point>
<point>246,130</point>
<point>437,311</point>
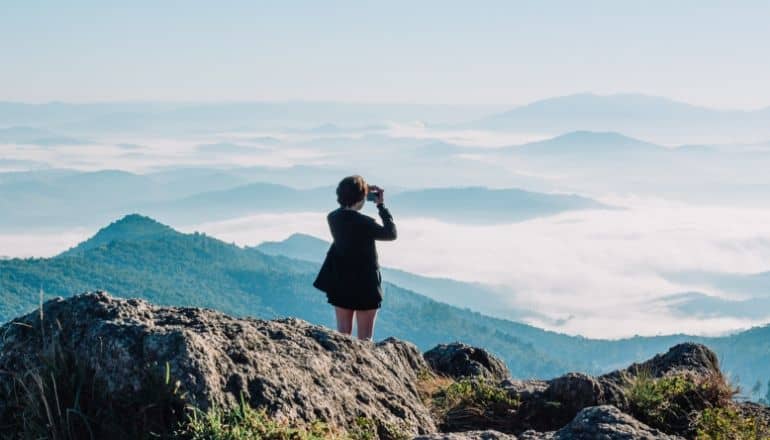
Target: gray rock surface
<point>606,422</point>
<point>301,372</point>
<point>689,357</point>
<point>592,423</point>
<point>298,371</point>
<point>459,360</point>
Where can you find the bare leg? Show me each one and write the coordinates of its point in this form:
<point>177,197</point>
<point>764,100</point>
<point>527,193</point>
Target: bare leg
<point>365,320</point>
<point>344,320</point>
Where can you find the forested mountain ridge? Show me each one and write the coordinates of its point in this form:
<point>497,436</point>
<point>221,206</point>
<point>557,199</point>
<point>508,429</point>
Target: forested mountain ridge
<point>138,257</point>
<point>152,262</point>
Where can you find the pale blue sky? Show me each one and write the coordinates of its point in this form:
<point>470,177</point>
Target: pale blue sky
<point>704,52</point>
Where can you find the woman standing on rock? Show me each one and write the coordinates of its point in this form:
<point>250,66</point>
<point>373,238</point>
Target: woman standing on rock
<point>350,274</point>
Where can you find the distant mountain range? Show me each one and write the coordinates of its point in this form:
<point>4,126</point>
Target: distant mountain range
<point>635,114</point>
<point>458,205</point>
<point>138,257</point>
<point>63,197</point>
<point>34,136</point>
<point>597,162</point>
<point>696,304</point>
<point>749,295</point>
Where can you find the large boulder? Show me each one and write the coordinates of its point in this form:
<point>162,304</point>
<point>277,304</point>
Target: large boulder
<point>690,358</point>
<point>460,360</point>
<point>560,401</point>
<point>549,405</point>
<point>297,371</point>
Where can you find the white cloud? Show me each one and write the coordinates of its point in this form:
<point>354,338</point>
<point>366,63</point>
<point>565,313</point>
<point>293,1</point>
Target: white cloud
<point>156,153</point>
<point>41,244</point>
<point>467,138</point>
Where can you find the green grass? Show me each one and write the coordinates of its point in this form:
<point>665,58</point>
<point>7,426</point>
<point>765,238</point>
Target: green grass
<point>672,403</point>
<point>474,392</point>
<point>658,399</point>
<point>728,423</point>
<point>55,396</point>
<point>246,423</point>
<point>469,403</point>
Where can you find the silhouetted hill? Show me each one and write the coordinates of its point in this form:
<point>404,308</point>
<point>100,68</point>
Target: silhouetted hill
<point>486,205</point>
<point>299,246</point>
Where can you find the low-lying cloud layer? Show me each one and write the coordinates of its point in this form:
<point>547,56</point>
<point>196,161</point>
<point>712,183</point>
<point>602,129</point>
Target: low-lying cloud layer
<point>596,273</point>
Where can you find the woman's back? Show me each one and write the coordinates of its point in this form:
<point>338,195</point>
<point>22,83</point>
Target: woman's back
<point>353,239</point>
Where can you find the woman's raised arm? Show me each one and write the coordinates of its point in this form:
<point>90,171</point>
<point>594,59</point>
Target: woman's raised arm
<point>385,232</point>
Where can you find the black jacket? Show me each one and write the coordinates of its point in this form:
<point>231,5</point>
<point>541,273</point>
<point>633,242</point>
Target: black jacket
<point>350,273</point>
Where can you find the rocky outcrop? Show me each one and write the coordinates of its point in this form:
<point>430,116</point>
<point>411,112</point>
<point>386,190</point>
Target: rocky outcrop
<point>459,360</point>
<point>299,372</point>
<point>691,358</point>
<point>549,405</point>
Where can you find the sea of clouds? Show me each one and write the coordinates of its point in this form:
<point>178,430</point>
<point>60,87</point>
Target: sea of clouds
<point>596,273</point>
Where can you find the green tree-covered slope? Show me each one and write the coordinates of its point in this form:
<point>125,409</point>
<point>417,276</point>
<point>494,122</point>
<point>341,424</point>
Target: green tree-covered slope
<point>138,257</point>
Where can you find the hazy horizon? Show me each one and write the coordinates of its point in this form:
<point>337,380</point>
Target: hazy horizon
<point>492,107</point>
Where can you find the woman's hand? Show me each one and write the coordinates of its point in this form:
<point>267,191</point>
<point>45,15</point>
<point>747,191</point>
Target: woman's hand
<point>380,195</point>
